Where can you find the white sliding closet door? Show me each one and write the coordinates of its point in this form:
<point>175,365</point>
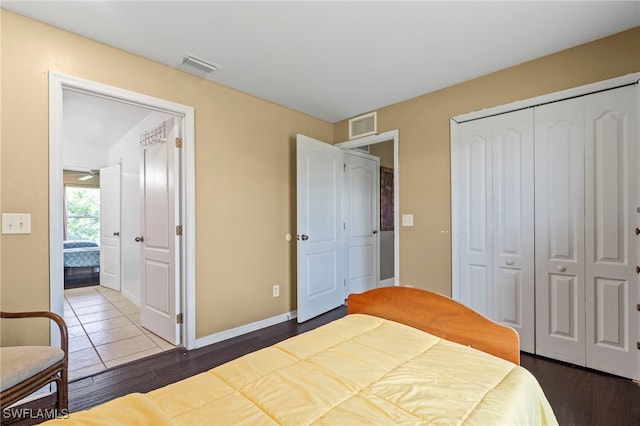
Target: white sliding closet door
<point>546,222</point>
<point>495,220</point>
<point>612,185</point>
<point>559,217</point>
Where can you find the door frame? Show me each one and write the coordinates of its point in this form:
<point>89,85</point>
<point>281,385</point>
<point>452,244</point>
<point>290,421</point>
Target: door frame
<point>391,135</point>
<point>59,82</point>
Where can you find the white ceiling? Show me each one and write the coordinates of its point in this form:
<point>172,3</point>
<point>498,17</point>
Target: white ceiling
<point>97,121</point>
<point>335,60</point>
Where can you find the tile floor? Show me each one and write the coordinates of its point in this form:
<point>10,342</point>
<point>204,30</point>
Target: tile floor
<point>104,331</point>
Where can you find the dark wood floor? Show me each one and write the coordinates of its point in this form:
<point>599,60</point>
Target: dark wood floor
<point>578,396</point>
<point>81,277</point>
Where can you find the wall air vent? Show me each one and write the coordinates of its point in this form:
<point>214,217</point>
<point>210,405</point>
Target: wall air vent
<point>364,125</point>
<point>197,66</point>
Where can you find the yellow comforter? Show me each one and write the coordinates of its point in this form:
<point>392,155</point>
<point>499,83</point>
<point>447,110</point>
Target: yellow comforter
<point>357,370</point>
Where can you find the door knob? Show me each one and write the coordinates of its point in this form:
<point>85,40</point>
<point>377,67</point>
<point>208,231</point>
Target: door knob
<point>637,269</point>
<point>116,234</point>
<point>561,268</point>
<point>637,231</point>
<point>375,231</point>
<point>139,239</point>
<point>509,262</point>
<point>304,237</point>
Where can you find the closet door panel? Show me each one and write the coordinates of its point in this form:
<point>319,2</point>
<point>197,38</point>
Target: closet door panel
<point>559,222</point>
<point>513,226</point>
<point>612,179</point>
<point>474,218</point>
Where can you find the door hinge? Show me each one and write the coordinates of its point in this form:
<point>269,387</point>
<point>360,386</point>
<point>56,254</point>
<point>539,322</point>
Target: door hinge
<point>344,167</point>
<point>179,230</point>
<point>178,142</point>
<point>179,318</point>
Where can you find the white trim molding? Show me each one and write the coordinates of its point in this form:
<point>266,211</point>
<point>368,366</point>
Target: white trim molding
<point>244,329</point>
<point>551,97</point>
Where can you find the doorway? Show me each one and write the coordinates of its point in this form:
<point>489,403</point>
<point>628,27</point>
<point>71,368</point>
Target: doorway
<point>386,147</point>
<point>321,259</point>
<point>61,84</point>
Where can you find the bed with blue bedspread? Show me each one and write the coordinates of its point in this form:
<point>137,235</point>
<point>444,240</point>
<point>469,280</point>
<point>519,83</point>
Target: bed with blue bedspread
<point>81,254</point>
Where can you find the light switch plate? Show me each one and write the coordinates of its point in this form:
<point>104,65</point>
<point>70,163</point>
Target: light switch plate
<point>407,220</point>
<point>16,223</point>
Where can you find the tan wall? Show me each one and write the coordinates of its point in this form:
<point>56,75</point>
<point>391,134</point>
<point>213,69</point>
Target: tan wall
<point>245,165</point>
<point>423,122</point>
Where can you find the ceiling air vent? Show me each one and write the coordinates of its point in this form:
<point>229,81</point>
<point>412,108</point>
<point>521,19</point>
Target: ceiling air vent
<point>363,125</point>
<point>197,66</point>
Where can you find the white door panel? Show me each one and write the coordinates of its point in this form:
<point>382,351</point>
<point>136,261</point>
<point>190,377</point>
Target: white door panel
<point>319,207</point>
<point>474,219</point>
<point>159,273</point>
<point>513,236</point>
<point>612,249</point>
<point>361,204</point>
<point>110,190</point>
<point>559,219</point>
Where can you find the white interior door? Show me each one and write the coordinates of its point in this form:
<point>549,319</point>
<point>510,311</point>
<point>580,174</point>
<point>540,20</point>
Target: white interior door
<point>513,227</point>
<point>362,212</point>
<point>475,214</point>
<point>320,169</point>
<point>559,221</point>
<point>110,189</point>
<point>612,248</point>
<point>159,244</point>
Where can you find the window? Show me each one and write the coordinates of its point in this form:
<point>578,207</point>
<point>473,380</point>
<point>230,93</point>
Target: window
<point>82,213</point>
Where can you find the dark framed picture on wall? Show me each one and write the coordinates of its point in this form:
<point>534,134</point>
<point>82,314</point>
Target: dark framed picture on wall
<point>386,199</point>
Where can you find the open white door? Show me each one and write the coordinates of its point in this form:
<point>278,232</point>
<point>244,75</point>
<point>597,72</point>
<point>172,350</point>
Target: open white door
<point>159,242</point>
<point>110,227</point>
<point>319,202</point>
<point>362,217</point>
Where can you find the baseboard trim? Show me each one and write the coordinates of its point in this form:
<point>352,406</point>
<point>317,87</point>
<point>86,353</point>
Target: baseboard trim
<point>132,298</point>
<point>389,282</point>
<point>247,328</point>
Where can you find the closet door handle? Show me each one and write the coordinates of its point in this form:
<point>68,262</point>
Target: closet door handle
<point>561,268</point>
<point>509,262</point>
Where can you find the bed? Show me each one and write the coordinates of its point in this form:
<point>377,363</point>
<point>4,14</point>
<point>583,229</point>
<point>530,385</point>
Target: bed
<point>81,254</point>
<point>400,356</point>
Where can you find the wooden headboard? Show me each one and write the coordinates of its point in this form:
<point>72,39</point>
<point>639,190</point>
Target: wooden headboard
<point>440,316</point>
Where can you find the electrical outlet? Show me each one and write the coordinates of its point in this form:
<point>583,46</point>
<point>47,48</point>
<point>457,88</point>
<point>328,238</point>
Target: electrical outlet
<point>276,290</point>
